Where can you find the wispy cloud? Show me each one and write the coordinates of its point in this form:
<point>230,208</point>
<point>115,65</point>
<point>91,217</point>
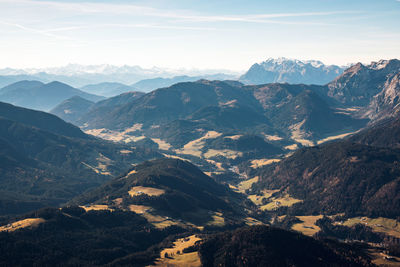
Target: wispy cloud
<point>35,31</point>
<point>185,15</point>
<point>128,25</point>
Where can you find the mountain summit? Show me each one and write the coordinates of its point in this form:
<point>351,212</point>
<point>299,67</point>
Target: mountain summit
<point>291,71</point>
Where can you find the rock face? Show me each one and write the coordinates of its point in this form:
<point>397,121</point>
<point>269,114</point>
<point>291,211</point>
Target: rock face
<point>291,71</point>
<point>386,103</point>
<point>359,84</point>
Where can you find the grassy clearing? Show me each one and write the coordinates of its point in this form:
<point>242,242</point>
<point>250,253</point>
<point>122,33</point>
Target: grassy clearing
<point>218,220</point>
<point>175,157</point>
<point>227,153</point>
<point>213,173</point>
<point>134,128</point>
<point>116,136</point>
<point>381,225</point>
<point>131,172</point>
<point>139,209</point>
<point>234,137</point>
<point>330,138</point>
<point>277,202</point>
<point>102,164</point>
<point>138,190</point>
<point>30,222</point>
<point>307,227</point>
<point>216,164</point>
<point>125,151</point>
<point>291,147</point>
<point>251,221</point>
<point>160,221</point>
<point>257,199</point>
<point>161,144</point>
<point>243,186</point>
<point>257,163</point>
<point>118,201</point>
<point>273,137</point>
<point>379,258</point>
<point>299,135</point>
<point>98,169</point>
<point>96,207</point>
<point>176,257</point>
<point>195,147</point>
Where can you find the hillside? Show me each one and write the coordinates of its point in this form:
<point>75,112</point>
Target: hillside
<point>283,70</point>
<point>358,179</point>
<point>36,95</point>
<point>304,113</point>
<point>384,133</point>
<point>40,166</point>
<point>167,104</point>
<point>40,120</point>
<point>174,189</point>
<point>72,109</point>
<point>184,119</point>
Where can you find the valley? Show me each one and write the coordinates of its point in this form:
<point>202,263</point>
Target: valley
<point>186,174</point>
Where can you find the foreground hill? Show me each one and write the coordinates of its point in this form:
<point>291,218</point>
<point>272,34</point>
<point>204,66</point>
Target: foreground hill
<point>170,188</point>
<point>283,70</point>
<point>45,161</point>
<point>73,237</point>
<point>359,179</point>
<point>37,95</point>
<point>265,246</point>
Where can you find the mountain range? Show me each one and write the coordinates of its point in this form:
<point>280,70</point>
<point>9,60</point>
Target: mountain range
<point>82,75</point>
<point>202,172</point>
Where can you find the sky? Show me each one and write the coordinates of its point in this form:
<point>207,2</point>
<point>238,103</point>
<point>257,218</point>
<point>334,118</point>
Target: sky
<point>202,34</point>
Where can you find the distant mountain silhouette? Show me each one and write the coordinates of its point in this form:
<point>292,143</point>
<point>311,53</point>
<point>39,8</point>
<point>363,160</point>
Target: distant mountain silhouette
<point>107,89</point>
<point>37,95</point>
<point>149,85</point>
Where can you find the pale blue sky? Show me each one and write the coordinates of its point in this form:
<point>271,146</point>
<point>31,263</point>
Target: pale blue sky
<point>196,34</point>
